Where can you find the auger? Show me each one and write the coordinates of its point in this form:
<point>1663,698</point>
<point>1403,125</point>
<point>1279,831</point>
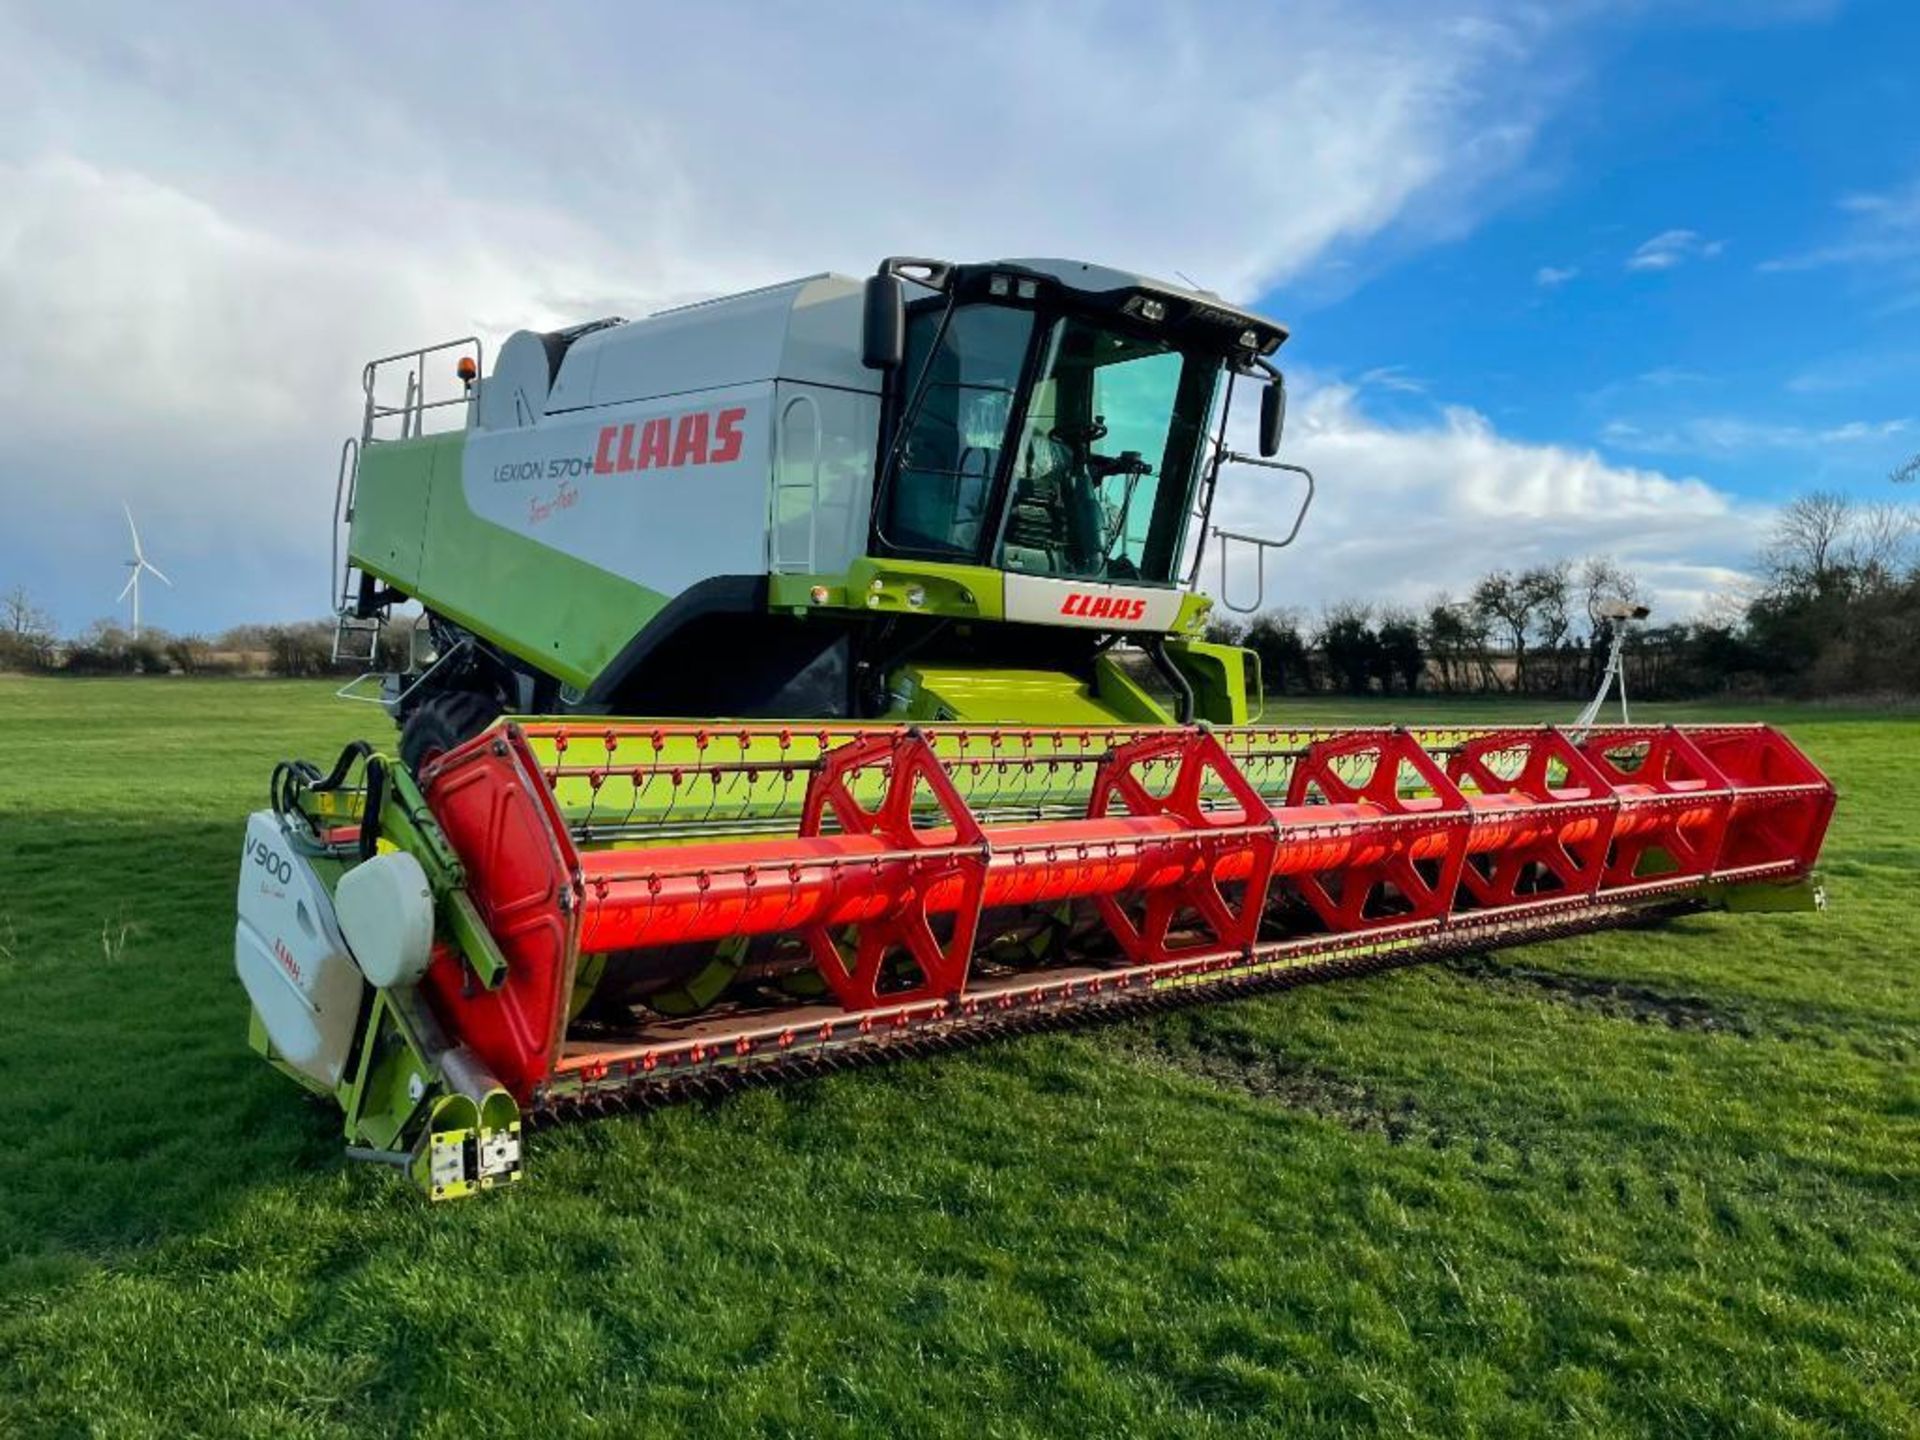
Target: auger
<point>934,749</point>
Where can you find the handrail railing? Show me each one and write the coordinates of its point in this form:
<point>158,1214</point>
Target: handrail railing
<point>1260,543</point>
<point>412,410</point>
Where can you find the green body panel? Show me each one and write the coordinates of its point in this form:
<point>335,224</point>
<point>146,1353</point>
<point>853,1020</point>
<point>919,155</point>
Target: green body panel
<point>1046,697</point>
<point>390,495</point>
<point>1123,696</point>
<point>1194,610</point>
<point>961,592</point>
<point>1770,896</point>
<point>956,592</point>
<point>1021,697</point>
<point>390,1082</point>
<point>413,528</point>
<point>1218,674</point>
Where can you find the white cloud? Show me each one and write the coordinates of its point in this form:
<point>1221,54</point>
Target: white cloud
<point>1551,276</point>
<point>1394,378</point>
<point>1854,371</point>
<point>167,354</point>
<point>1661,380</point>
<point>1671,248</point>
<point>1862,430</point>
<point>1669,377</point>
<point>1401,513</point>
<point>1732,435</point>
<point>143,307</point>
<point>1883,229</point>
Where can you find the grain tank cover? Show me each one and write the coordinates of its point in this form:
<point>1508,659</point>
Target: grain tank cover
<point>805,330</point>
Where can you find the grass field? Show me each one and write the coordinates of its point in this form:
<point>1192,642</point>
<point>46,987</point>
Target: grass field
<point>1651,1183</point>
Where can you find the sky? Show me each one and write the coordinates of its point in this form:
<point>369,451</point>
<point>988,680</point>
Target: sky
<point>1563,278</point>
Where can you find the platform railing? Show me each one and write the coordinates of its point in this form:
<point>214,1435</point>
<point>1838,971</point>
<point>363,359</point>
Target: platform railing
<point>411,412</point>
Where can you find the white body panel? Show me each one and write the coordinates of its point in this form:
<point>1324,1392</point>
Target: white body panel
<point>733,437</point>
<point>1089,604</point>
<point>823,477</point>
<point>291,957</point>
<point>665,492</point>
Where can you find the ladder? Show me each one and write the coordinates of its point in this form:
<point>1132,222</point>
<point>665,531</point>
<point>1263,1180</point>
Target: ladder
<point>356,637</point>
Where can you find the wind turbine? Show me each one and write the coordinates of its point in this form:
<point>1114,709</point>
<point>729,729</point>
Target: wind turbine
<point>135,565</point>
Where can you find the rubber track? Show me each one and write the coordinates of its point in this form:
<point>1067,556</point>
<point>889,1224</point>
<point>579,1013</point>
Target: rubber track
<point>656,1092</point>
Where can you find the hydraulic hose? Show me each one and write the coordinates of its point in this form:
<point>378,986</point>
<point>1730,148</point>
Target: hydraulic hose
<point>293,778</point>
<point>1174,676</point>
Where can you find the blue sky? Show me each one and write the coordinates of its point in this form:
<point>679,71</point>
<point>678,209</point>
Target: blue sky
<point>1770,344</point>
<point>1564,279</point>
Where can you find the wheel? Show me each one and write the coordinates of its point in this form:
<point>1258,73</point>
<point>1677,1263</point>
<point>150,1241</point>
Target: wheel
<point>443,721</point>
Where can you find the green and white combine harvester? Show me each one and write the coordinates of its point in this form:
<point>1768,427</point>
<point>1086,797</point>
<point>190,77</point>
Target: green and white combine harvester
<point>920,740</point>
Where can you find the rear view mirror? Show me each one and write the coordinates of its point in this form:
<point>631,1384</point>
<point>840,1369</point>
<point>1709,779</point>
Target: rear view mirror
<point>1273,416</point>
<point>883,336</point>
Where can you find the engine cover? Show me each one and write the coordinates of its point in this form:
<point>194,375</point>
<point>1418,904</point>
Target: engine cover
<point>291,956</point>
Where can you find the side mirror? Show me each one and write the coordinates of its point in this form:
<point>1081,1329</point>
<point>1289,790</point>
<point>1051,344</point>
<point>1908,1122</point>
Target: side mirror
<point>1273,416</point>
<point>883,331</point>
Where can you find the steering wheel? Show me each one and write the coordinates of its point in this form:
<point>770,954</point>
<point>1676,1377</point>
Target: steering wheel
<point>1080,436</point>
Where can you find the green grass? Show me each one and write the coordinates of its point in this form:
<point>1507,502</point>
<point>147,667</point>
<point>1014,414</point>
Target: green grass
<point>1649,1183</point>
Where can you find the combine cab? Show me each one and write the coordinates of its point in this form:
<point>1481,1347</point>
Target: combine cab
<point>901,575</point>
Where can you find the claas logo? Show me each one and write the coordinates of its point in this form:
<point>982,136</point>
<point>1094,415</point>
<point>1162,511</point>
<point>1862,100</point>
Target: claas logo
<point>1103,607</point>
<point>670,441</point>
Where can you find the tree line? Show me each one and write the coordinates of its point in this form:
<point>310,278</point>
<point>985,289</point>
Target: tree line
<point>29,641</point>
<point>1834,610</point>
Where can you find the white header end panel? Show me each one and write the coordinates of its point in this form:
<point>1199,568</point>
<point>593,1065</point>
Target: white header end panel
<point>290,955</point>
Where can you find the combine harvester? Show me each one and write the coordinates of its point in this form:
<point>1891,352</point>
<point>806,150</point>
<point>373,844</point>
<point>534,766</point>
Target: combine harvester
<point>902,575</point>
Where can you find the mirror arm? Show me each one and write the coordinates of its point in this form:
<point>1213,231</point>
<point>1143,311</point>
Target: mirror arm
<point>932,274</point>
